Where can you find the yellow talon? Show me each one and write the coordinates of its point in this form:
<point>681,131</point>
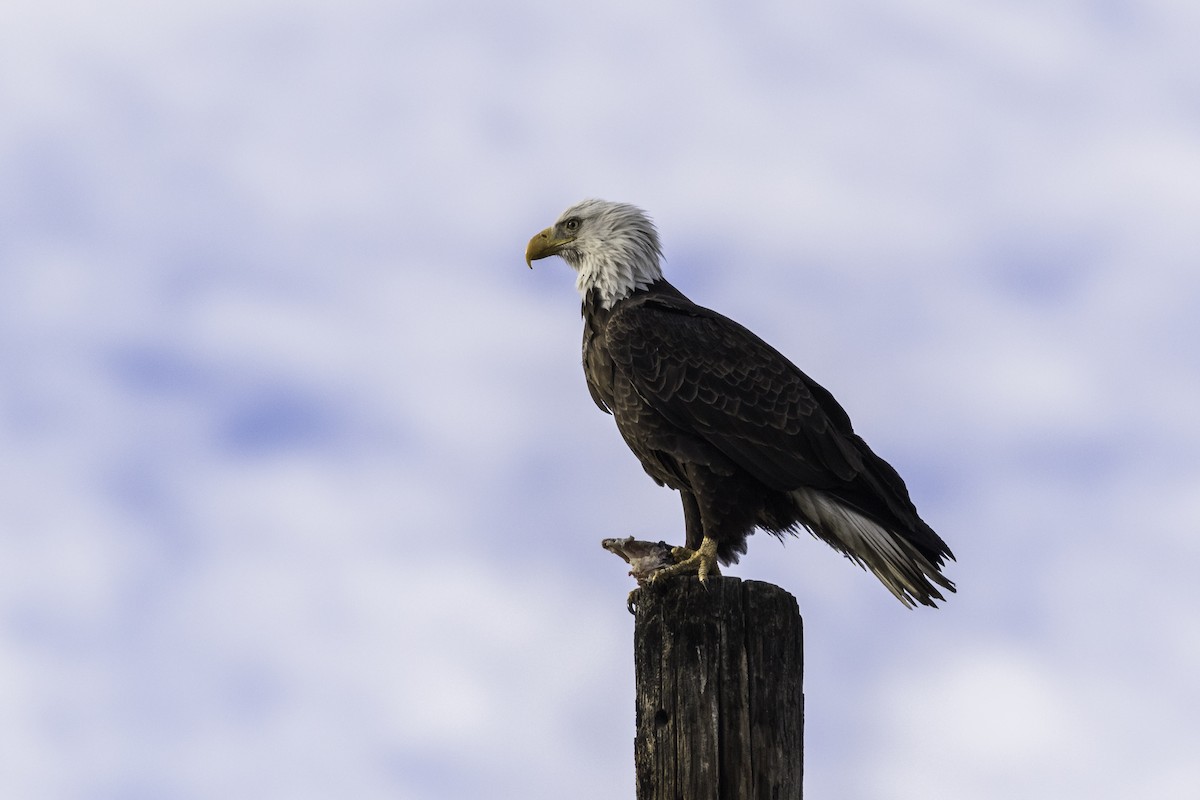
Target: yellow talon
<point>702,562</point>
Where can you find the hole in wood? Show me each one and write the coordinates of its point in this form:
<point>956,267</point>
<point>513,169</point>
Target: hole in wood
<point>660,718</point>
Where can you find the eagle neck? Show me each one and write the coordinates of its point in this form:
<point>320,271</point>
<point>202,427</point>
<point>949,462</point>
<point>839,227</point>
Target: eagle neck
<point>593,311</point>
<point>610,278</point>
<point>596,312</point>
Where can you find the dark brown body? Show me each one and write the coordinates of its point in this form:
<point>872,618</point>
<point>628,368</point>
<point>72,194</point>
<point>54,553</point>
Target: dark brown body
<point>720,416</point>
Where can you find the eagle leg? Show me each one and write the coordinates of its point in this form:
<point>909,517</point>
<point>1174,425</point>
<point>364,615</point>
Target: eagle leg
<point>701,562</point>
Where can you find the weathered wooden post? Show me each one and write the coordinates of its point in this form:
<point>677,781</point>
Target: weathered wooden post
<point>720,703</point>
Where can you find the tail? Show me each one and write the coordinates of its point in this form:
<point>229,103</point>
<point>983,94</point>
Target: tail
<point>905,571</point>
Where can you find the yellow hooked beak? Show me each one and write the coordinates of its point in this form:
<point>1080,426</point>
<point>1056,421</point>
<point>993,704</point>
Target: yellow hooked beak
<point>544,245</point>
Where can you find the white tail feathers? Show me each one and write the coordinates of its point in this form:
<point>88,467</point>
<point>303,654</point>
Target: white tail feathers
<point>895,561</point>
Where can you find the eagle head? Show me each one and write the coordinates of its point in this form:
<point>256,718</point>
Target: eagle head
<point>613,248</point>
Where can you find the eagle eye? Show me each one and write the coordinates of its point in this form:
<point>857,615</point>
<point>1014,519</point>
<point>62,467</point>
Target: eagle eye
<point>571,225</point>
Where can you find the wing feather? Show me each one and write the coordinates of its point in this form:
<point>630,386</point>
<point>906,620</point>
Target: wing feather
<point>715,380</point>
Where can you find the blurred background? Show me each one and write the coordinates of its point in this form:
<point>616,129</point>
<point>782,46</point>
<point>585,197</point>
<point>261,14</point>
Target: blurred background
<point>302,489</point>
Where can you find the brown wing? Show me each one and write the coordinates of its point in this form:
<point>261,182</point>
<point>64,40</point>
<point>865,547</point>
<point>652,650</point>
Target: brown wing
<point>713,379</point>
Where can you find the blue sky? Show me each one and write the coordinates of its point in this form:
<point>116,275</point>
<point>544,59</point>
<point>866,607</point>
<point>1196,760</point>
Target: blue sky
<point>303,490</point>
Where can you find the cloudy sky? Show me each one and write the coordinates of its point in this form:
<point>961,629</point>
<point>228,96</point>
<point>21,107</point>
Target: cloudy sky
<point>302,489</point>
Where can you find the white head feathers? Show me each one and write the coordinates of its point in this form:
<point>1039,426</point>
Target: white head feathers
<point>612,246</point>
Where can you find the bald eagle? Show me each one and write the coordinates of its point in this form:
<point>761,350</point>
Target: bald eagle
<point>714,412</point>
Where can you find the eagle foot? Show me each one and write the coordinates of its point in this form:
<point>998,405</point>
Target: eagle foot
<point>651,561</point>
<point>631,601</point>
<point>701,563</point>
